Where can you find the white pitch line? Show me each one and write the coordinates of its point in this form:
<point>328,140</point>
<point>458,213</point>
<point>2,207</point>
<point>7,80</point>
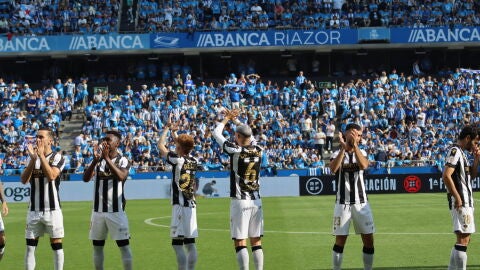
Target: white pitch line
<point>149,221</point>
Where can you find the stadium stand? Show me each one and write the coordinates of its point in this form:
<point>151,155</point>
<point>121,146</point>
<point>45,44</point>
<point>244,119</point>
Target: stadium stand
<point>149,16</point>
<point>408,120</point>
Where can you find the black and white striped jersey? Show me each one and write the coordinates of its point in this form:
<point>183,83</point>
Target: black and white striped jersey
<point>109,191</point>
<point>183,178</point>
<point>350,182</point>
<point>244,167</point>
<point>457,159</point>
<point>44,194</point>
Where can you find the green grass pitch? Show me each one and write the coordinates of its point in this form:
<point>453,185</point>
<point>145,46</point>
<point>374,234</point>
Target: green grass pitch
<point>413,232</point>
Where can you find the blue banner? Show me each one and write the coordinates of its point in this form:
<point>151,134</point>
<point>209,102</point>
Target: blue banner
<point>274,38</point>
<point>224,39</point>
<point>435,35</point>
<point>373,33</point>
<point>76,43</point>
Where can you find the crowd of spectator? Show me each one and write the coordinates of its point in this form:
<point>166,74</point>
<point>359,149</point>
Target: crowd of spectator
<point>24,110</point>
<point>82,16</point>
<point>35,18</point>
<point>188,16</point>
<point>407,119</point>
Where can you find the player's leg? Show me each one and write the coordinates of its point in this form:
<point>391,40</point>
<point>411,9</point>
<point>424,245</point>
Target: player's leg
<point>368,251</point>
<point>98,256</point>
<point>337,251</point>
<point>117,224</point>
<point>257,252</point>
<point>255,232</point>
<point>239,219</point>
<point>341,226</point>
<point>126,253</point>
<point>192,254</point>
<point>190,232</point>
<point>363,222</point>
<point>30,253</point>
<point>58,256</point>
<point>242,253</point>
<point>54,226</point>
<point>34,230</point>
<point>177,234</point>
<point>180,254</point>
<point>458,255</point>
<point>2,243</point>
<point>2,237</point>
<point>463,226</point>
<point>98,234</point>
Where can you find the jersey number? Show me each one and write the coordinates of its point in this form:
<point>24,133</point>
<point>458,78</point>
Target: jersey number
<point>184,181</point>
<point>185,186</point>
<point>250,173</point>
<point>250,177</point>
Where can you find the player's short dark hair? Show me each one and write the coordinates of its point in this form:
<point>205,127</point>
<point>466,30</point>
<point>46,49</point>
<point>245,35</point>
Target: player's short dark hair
<point>469,130</point>
<point>115,133</point>
<point>49,130</point>
<point>353,126</point>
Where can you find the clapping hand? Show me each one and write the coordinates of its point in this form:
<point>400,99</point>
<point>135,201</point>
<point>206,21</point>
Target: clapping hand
<point>105,150</point>
<point>341,140</point>
<point>97,152</point>
<point>40,148</point>
<point>31,151</point>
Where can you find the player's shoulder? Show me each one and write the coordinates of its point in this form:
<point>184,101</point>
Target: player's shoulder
<point>454,150</point>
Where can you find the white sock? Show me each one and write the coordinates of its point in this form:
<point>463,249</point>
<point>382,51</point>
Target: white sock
<point>126,257</point>
<point>191,255</point>
<point>30,258</point>
<point>337,257</point>
<point>367,261</point>
<point>459,253</point>
<point>58,259</point>
<point>451,265</point>
<point>242,258</point>
<point>337,260</point>
<point>98,257</point>
<point>257,254</point>
<point>181,257</point>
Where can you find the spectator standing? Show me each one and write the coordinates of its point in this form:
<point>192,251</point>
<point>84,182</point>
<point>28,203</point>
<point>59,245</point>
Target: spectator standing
<point>319,138</point>
<point>330,133</point>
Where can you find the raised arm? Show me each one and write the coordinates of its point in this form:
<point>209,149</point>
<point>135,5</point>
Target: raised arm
<point>163,140</point>
<point>217,132</point>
